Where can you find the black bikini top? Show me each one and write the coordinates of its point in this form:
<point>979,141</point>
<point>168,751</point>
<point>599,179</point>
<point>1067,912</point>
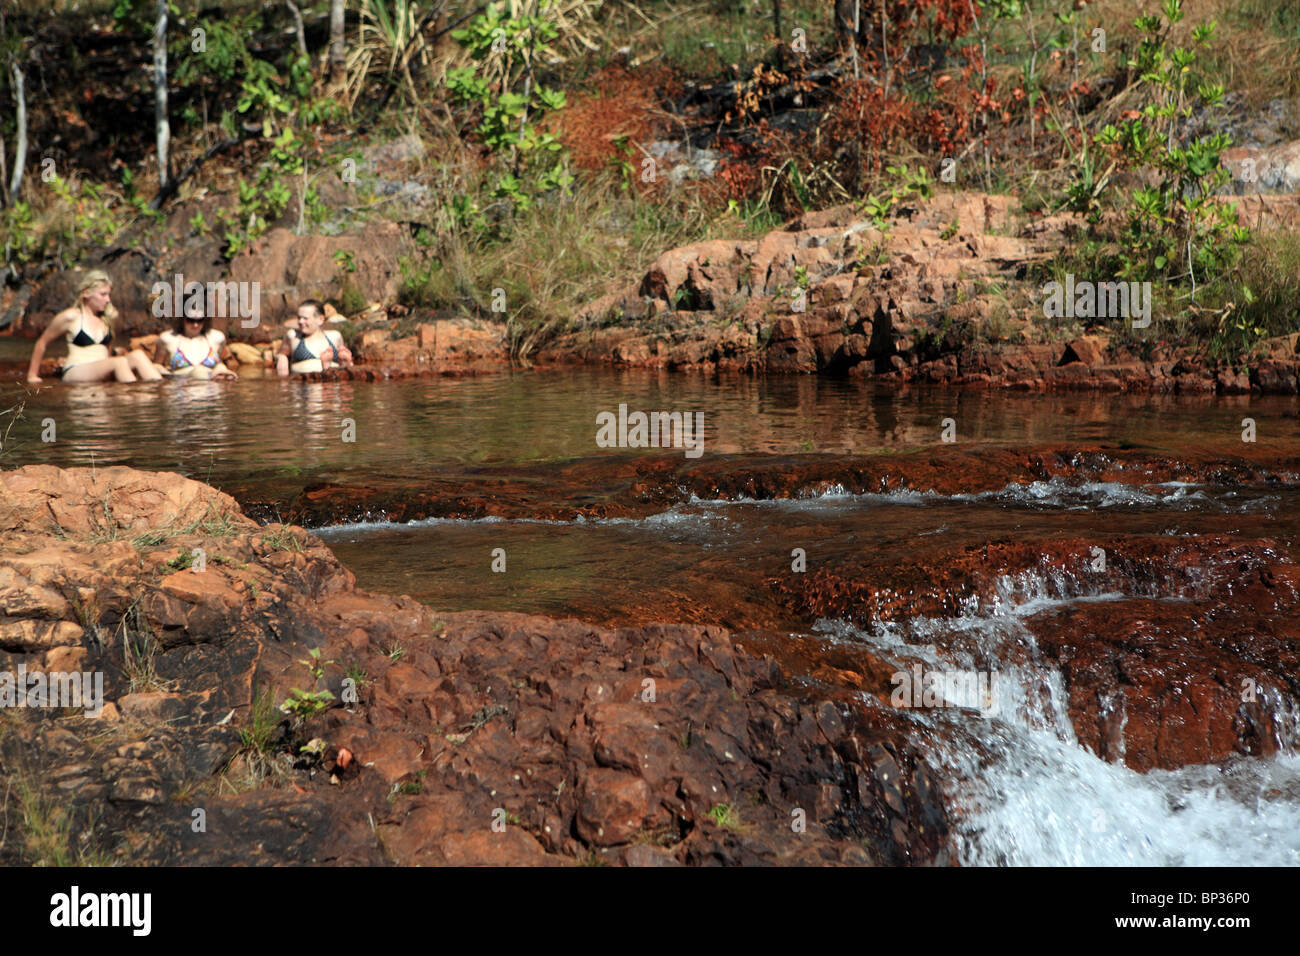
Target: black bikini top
<point>302,353</point>
<point>82,339</point>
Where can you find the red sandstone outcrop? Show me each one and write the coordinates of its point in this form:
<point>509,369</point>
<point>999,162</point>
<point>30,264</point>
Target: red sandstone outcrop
<point>470,737</point>
<point>941,293</point>
<point>939,296</point>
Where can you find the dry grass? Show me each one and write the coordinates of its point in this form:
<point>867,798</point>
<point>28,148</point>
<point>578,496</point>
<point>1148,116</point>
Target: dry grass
<point>564,252</point>
<point>1257,50</point>
<point>42,823</point>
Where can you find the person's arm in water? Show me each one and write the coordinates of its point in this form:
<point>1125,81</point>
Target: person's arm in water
<point>345,355</point>
<point>282,357</point>
<point>218,341</point>
<point>58,326</point>
<point>222,346</point>
<point>162,353</point>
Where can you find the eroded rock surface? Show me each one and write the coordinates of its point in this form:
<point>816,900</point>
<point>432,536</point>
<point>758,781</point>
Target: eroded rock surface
<point>449,738</point>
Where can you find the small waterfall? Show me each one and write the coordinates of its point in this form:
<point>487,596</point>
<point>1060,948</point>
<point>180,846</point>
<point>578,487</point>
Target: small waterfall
<point>1022,791</point>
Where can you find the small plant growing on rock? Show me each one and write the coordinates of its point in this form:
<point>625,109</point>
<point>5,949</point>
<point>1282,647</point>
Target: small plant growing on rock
<point>181,562</point>
<point>10,418</point>
<point>257,736</point>
<point>283,539</point>
<point>139,654</point>
<point>725,815</point>
<point>357,674</point>
<point>303,705</point>
<point>46,825</point>
<point>259,757</point>
<point>314,664</point>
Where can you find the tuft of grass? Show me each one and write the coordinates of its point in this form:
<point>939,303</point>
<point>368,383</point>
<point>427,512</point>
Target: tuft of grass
<point>725,815</point>
<point>212,524</point>
<point>181,562</point>
<point>1261,299</point>
<point>257,761</point>
<point>357,674</point>
<point>140,647</point>
<point>262,722</point>
<point>47,825</point>
<point>284,539</point>
<point>9,417</point>
<point>88,611</point>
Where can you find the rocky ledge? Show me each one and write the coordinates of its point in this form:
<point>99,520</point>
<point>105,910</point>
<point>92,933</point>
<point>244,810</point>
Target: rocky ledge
<point>942,293</point>
<point>257,708</point>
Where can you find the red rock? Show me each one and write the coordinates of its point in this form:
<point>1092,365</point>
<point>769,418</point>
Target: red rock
<point>1089,349</point>
<point>613,807</point>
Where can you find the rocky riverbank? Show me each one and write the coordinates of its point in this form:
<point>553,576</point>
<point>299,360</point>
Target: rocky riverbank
<point>258,707</point>
<point>447,737</point>
<point>942,293</point>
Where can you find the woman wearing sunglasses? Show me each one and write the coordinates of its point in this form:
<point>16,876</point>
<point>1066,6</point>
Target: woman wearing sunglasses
<point>193,348</point>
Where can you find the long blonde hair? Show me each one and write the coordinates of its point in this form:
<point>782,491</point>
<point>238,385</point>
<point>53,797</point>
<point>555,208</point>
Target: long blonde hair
<point>93,278</point>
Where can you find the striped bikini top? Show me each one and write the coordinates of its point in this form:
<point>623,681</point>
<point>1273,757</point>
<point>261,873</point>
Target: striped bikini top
<point>302,351</point>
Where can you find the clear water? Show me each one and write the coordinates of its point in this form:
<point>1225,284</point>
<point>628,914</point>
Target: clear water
<point>1021,790</point>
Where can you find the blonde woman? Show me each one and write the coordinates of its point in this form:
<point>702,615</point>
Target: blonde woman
<point>88,327</point>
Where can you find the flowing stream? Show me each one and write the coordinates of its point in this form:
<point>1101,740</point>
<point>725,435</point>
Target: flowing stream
<point>1021,787</point>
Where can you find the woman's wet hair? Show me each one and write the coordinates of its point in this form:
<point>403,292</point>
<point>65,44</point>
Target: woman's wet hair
<point>90,280</point>
<point>314,304</point>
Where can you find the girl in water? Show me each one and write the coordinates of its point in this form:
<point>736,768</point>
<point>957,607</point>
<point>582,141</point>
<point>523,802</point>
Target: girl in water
<point>309,349</point>
<point>193,348</point>
<point>88,327</point>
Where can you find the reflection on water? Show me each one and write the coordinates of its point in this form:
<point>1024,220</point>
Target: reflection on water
<point>710,562</point>
<point>262,424</point>
<point>1018,795</point>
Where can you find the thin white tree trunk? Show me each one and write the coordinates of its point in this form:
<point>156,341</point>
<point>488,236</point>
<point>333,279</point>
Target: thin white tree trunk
<point>297,25</point>
<point>20,147</point>
<point>162,127</point>
<point>338,49</point>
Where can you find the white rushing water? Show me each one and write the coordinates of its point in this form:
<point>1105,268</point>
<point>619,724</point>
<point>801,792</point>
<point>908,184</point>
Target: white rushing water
<point>1023,792</point>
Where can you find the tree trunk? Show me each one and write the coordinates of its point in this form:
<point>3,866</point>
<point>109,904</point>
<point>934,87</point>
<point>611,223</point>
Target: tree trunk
<point>297,25</point>
<point>780,40</point>
<point>338,50</point>
<point>161,126</point>
<point>20,147</point>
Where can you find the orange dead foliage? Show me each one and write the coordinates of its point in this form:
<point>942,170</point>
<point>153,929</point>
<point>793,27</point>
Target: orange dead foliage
<point>618,103</point>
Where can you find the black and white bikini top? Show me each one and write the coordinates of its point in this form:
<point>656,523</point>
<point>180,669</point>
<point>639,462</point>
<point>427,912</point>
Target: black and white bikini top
<point>303,353</point>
